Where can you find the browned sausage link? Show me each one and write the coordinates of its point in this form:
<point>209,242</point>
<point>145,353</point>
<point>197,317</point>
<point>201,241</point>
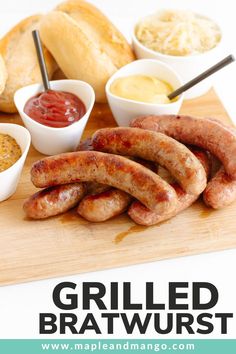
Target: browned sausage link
<point>104,206</point>
<point>92,187</point>
<point>54,200</point>
<point>206,133</point>
<point>104,203</point>
<point>205,158</point>
<point>174,156</point>
<point>220,191</point>
<point>143,216</point>
<point>85,145</point>
<point>116,171</point>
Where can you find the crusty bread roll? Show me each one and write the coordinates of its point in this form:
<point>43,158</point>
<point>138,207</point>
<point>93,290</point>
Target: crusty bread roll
<point>18,51</point>
<point>85,44</point>
<point>3,74</point>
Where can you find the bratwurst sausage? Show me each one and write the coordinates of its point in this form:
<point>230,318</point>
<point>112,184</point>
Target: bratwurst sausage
<point>116,171</point>
<point>143,216</point>
<point>140,214</point>
<point>106,202</point>
<point>157,147</point>
<point>104,206</point>
<point>54,200</point>
<point>220,191</point>
<point>206,133</point>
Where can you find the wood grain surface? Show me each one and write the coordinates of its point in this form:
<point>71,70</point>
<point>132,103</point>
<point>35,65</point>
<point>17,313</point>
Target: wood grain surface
<point>67,244</point>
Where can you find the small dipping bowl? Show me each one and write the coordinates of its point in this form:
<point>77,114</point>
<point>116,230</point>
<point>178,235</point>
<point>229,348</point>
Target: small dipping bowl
<point>188,66</point>
<point>10,177</point>
<point>124,110</point>
<point>48,140</point>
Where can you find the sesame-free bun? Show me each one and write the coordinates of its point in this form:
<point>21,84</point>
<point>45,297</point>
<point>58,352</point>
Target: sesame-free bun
<point>3,74</point>
<point>18,51</point>
<point>85,44</point>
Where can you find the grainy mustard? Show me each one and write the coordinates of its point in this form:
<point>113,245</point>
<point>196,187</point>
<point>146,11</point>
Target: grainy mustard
<point>10,151</point>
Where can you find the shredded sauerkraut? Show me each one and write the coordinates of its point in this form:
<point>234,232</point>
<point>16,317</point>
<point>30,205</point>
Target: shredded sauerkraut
<point>178,33</point>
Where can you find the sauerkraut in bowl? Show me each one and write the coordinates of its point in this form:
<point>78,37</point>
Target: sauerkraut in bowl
<point>189,42</point>
<point>178,33</point>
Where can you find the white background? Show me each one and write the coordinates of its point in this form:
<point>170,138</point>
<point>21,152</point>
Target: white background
<point>21,304</point>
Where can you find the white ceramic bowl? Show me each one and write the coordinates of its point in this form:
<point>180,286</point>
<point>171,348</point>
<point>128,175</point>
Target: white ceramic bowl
<point>9,178</point>
<point>48,140</point>
<point>186,66</point>
<point>124,110</point>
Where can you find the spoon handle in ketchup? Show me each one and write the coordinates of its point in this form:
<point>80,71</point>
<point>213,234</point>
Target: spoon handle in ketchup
<point>41,60</point>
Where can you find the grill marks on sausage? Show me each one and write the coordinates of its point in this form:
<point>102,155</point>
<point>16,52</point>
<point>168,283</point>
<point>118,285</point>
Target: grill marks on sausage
<point>104,206</point>
<point>113,170</point>
<point>207,133</point>
<point>54,200</point>
<point>144,216</point>
<point>157,147</point>
<point>210,134</point>
<point>170,199</point>
<point>220,191</point>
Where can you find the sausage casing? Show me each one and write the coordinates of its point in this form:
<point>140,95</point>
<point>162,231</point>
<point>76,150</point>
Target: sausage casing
<point>206,133</point>
<point>171,154</point>
<point>54,200</point>
<point>143,216</point>
<point>116,171</point>
<point>220,191</point>
<point>104,206</point>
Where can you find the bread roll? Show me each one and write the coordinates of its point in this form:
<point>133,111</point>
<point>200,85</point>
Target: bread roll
<point>18,51</point>
<point>3,74</point>
<point>85,44</point>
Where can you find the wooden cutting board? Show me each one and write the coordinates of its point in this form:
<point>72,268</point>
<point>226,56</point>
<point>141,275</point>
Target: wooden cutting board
<point>67,244</point>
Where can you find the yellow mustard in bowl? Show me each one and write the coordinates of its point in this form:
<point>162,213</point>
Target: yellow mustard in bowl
<point>142,88</point>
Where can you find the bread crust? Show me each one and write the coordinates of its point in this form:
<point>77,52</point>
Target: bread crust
<point>86,45</point>
<point>112,40</point>
<point>18,52</point>
<point>3,74</point>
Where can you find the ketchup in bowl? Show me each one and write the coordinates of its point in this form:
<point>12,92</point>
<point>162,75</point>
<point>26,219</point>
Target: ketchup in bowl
<point>55,109</point>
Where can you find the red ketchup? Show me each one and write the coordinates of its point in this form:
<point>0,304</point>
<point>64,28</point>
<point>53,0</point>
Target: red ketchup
<point>55,109</point>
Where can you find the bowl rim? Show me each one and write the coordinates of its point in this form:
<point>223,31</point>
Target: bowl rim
<point>28,142</point>
<point>139,103</point>
<point>42,126</point>
<point>177,57</point>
